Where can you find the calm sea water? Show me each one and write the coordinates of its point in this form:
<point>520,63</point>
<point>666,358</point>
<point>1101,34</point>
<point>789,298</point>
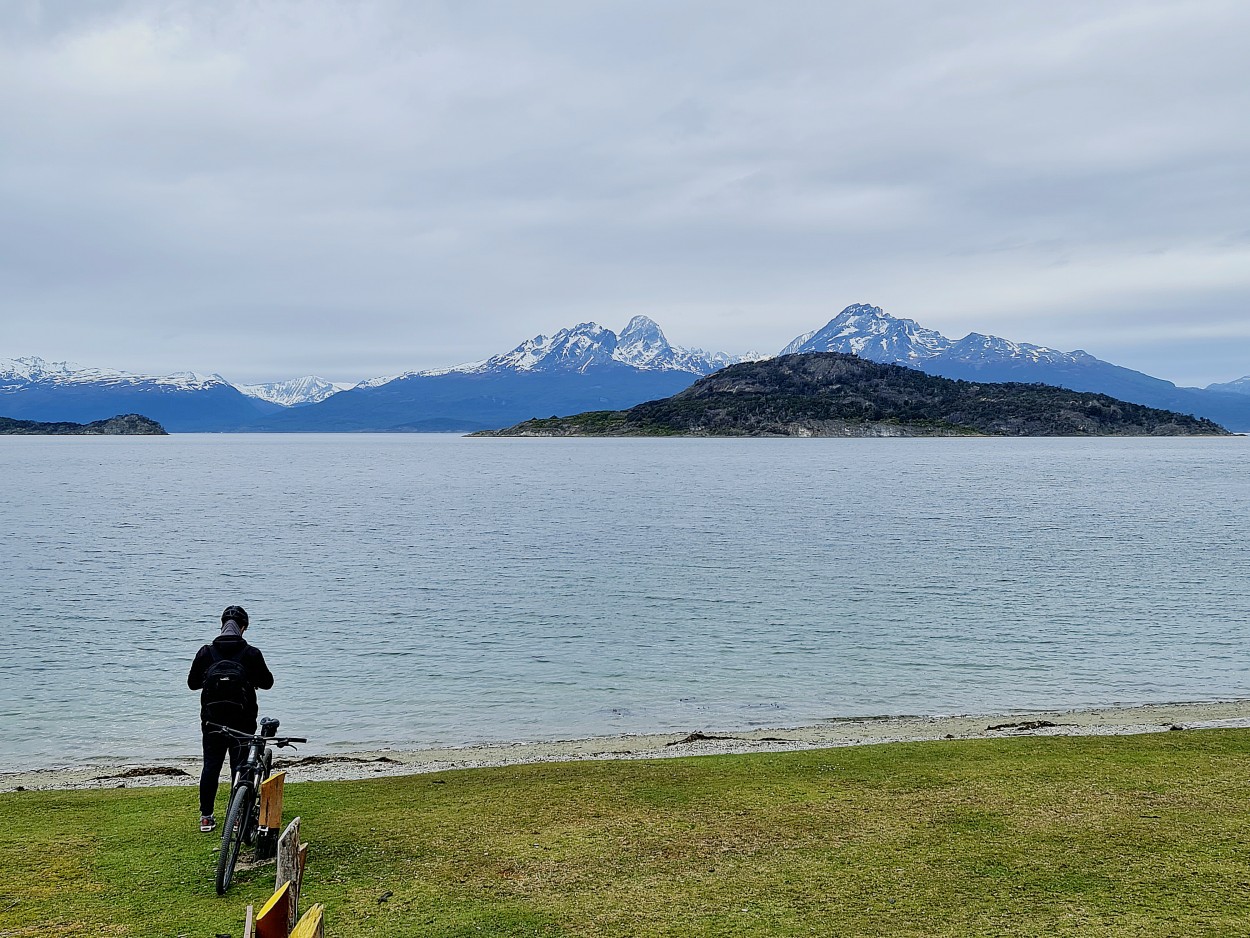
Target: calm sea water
<point>427,590</point>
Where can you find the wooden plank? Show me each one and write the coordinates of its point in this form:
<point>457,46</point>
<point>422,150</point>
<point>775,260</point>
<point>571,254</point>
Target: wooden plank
<point>289,869</point>
<point>247,925</point>
<point>303,863</point>
<point>273,920</point>
<point>311,926</point>
<point>271,800</point>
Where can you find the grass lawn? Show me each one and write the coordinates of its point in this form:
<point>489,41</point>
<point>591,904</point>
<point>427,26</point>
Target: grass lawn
<point>1111,836</point>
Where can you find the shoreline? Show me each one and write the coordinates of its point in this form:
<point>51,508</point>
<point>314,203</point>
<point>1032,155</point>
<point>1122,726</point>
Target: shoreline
<point>831,734</point>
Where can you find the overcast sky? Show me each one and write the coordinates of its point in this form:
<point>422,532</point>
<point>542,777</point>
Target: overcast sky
<point>269,189</point>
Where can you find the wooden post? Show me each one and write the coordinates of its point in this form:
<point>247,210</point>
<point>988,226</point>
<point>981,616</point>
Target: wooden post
<point>271,800</point>
<point>270,816</point>
<point>310,926</point>
<point>272,922</point>
<point>289,869</point>
<point>247,925</point>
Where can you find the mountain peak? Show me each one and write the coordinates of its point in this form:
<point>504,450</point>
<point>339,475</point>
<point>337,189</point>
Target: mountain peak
<point>641,345</point>
<point>33,368</point>
<point>306,390</point>
<point>1238,386</point>
<point>860,310</point>
<point>872,333</point>
<point>641,326</point>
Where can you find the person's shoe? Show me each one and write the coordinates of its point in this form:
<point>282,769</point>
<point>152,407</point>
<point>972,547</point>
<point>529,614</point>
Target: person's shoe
<point>208,823</point>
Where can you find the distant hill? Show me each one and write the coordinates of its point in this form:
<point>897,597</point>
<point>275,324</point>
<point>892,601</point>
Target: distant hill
<point>835,394</point>
<point>122,425</point>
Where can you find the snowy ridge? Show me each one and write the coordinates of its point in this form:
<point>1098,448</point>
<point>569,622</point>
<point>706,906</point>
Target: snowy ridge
<point>1240,386</point>
<point>307,390</point>
<point>641,345</point>
<point>584,346</point>
<point>22,372</point>
<point>975,347</point>
<point>19,373</point>
<point>873,334</point>
<point>587,346</point>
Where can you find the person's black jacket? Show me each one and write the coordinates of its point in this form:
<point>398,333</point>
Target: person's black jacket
<point>236,647</point>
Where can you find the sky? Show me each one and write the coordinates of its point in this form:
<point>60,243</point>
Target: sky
<point>353,189</point>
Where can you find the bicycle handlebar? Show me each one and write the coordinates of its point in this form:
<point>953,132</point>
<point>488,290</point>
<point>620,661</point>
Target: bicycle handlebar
<point>280,741</point>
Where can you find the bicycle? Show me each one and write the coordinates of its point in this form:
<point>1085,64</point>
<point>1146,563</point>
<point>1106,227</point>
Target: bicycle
<point>243,816</point>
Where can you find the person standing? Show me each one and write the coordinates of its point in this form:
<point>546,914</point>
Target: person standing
<point>227,672</point>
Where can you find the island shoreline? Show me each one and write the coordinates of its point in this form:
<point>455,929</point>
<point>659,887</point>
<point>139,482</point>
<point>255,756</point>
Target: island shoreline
<point>830,734</point>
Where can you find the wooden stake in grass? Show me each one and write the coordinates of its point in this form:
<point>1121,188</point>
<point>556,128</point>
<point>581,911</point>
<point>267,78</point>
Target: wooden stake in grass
<point>310,926</point>
<point>270,815</point>
<point>273,920</point>
<point>289,871</point>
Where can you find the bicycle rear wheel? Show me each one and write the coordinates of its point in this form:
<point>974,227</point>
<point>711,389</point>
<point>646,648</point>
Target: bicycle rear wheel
<point>237,820</point>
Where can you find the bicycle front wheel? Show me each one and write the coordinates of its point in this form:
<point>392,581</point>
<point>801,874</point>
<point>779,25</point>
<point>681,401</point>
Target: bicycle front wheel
<point>237,820</point>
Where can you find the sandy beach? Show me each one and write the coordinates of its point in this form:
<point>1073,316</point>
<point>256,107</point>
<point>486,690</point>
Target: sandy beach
<point>830,734</point>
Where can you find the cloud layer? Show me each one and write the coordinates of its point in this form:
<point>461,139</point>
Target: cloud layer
<point>355,189</point>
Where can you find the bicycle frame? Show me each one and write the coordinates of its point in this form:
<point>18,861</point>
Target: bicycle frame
<point>242,824</point>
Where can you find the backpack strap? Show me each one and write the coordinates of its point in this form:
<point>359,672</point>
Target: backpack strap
<point>218,656</point>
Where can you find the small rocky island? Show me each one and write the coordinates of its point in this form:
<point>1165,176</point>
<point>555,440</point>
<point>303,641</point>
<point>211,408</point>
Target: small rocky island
<point>830,394</point>
<point>121,425</point>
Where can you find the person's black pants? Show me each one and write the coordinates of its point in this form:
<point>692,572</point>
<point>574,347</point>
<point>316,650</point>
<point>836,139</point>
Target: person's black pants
<point>216,745</point>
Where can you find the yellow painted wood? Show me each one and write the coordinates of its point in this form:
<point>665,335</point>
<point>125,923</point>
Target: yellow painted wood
<point>311,925</point>
<point>272,920</point>
<point>271,800</point>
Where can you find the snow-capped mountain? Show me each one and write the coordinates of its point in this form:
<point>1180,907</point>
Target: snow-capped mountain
<point>641,344</point>
<point>872,333</point>
<point>975,347</point>
<point>585,367</point>
<point>34,389</point>
<point>1240,386</point>
<point>22,372</point>
<point>307,390</point>
<point>586,345</point>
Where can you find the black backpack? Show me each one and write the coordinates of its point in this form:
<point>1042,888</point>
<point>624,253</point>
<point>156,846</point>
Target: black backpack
<point>227,693</point>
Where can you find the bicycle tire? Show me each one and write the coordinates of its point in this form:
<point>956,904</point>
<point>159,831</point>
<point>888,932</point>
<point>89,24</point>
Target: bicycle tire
<point>237,819</point>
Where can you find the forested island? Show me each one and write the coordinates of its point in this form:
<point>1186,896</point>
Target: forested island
<point>121,425</point>
<point>836,395</point>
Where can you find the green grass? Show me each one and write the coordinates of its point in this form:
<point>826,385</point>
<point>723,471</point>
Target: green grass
<point>1144,835</point>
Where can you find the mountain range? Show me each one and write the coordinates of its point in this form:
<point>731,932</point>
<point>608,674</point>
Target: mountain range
<point>873,334</point>
<point>32,389</point>
<point>581,368</point>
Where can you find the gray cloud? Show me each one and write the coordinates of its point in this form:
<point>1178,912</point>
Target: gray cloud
<point>354,189</point>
